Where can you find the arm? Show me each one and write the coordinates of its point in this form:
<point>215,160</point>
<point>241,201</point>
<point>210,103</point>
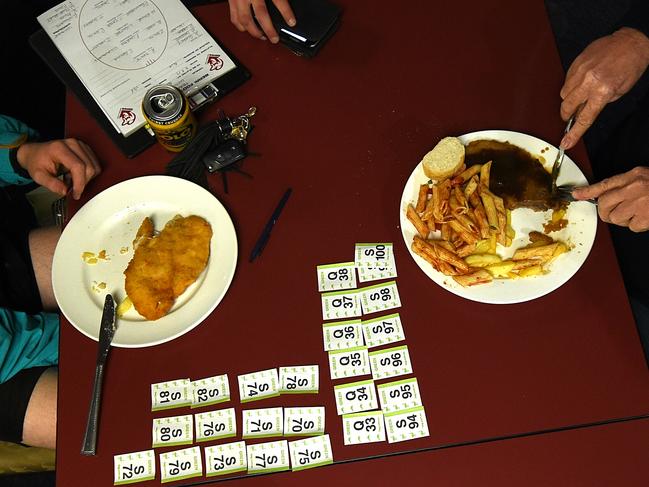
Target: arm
<point>13,133</point>
<point>241,17</point>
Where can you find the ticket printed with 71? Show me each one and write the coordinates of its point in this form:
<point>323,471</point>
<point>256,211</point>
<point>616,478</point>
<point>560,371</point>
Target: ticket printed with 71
<point>300,379</point>
<point>379,297</point>
<point>351,362</point>
<point>332,277</point>
<point>310,453</point>
<point>210,391</point>
<point>258,385</point>
<point>173,431</point>
<point>216,425</point>
<point>374,255</point>
<point>226,459</point>
<point>171,394</point>
<point>339,335</point>
<point>341,304</point>
<point>304,421</point>
<point>262,423</point>
<point>134,467</point>
<point>383,330</point>
<point>390,362</point>
<point>406,425</point>
<point>366,427</point>
<point>399,395</point>
<point>268,457</point>
<point>355,397</point>
<point>181,464</point>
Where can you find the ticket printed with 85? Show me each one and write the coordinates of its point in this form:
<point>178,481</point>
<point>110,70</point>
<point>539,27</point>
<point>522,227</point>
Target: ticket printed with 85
<point>216,425</point>
<point>304,421</point>
<point>226,459</point>
<point>134,467</point>
<point>339,335</point>
<point>310,453</point>
<point>268,457</point>
<point>407,424</point>
<point>351,362</point>
<point>262,423</point>
<point>366,427</point>
<point>333,277</point>
<point>258,385</point>
<point>173,431</point>
<point>171,394</point>
<point>355,397</point>
<point>181,464</point>
<point>210,391</point>
<point>299,379</point>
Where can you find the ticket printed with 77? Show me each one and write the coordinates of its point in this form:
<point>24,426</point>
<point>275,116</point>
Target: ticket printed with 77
<point>366,427</point>
<point>268,457</point>
<point>351,362</point>
<point>407,424</point>
<point>134,467</point>
<point>304,421</point>
<point>262,423</point>
<point>399,395</point>
<point>341,304</point>
<point>310,453</point>
<point>299,379</point>
<point>374,255</point>
<point>383,330</point>
<point>390,362</point>
<point>355,397</point>
<point>333,277</point>
<point>173,431</point>
<point>216,425</point>
<point>380,297</point>
<point>258,385</point>
<point>226,459</point>
<point>181,464</point>
<point>210,391</point>
<point>339,335</point>
<point>171,394</point>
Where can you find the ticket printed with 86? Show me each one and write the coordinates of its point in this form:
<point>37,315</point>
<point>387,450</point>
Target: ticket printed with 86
<point>181,464</point>
<point>173,431</point>
<point>332,277</point>
<point>210,391</point>
<point>258,385</point>
<point>339,335</point>
<point>341,304</point>
<point>226,459</point>
<point>383,330</point>
<point>216,425</point>
<point>399,395</point>
<point>300,379</point>
<point>366,427</point>
<point>310,453</point>
<point>134,467</point>
<point>406,425</point>
<point>262,423</point>
<point>355,397</point>
<point>374,255</point>
<point>351,362</point>
<point>171,394</point>
<point>304,421</point>
<point>380,297</point>
<point>268,457</point>
<point>390,362</point>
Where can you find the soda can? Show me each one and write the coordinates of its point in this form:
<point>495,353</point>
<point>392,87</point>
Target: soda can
<point>166,110</point>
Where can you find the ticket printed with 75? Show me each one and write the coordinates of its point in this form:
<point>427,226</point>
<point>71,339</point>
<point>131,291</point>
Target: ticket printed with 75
<point>310,453</point>
<point>134,467</point>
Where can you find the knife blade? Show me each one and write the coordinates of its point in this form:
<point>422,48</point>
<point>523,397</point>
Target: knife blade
<point>106,333</point>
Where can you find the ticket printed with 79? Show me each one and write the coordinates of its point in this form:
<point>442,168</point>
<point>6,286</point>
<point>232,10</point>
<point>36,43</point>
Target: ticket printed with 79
<point>181,464</point>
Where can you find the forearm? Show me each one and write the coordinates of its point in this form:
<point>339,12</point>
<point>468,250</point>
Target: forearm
<point>13,133</point>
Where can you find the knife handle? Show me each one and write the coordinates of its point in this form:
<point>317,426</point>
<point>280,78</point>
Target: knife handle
<point>90,436</point>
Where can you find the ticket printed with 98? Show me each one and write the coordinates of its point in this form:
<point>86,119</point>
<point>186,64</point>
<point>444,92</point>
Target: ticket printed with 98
<point>341,304</point>
<point>134,467</point>
<point>383,330</point>
<point>349,363</point>
<point>210,391</point>
<point>399,395</point>
<point>216,425</point>
<point>374,255</point>
<point>355,397</point>
<point>390,362</point>
<point>310,453</point>
<point>366,427</point>
<point>339,335</point>
<point>171,394</point>
<point>262,423</point>
<point>268,457</point>
<point>258,385</point>
<point>226,459</point>
<point>300,379</point>
<point>333,277</point>
<point>304,421</point>
<point>406,425</point>
<point>173,431</point>
<point>380,297</point>
<point>181,464</point>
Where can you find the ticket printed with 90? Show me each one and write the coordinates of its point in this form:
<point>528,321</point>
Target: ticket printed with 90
<point>300,379</point>
<point>351,362</point>
<point>268,457</point>
<point>333,277</point>
<point>310,453</point>
<point>258,385</point>
<point>304,421</point>
<point>210,391</point>
<point>383,330</point>
<point>364,427</point>
<point>406,425</point>
<point>339,335</point>
<point>171,394</point>
<point>134,467</point>
<point>399,395</point>
<point>341,304</point>
<point>181,464</point>
<point>355,397</point>
<point>262,423</point>
<point>226,459</point>
<point>374,255</point>
<point>380,297</point>
<point>216,425</point>
<point>173,431</point>
<point>390,362</point>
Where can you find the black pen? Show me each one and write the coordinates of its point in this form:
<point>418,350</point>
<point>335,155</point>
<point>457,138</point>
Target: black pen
<point>265,234</point>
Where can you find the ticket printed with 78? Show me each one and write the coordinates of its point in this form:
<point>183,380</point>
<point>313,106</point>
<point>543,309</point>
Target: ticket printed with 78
<point>258,385</point>
<point>268,457</point>
<point>173,431</point>
<point>351,362</point>
<point>310,453</point>
<point>332,277</point>
<point>226,459</point>
<point>299,379</point>
<point>366,427</point>
<point>355,397</point>
<point>341,304</point>
<point>216,425</point>
<point>171,394</point>
<point>210,391</point>
<point>339,335</point>
<point>407,424</point>
<point>134,467</point>
<point>181,464</point>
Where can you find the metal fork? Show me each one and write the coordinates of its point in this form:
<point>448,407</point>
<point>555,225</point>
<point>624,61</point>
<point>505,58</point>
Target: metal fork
<point>564,193</point>
<point>60,211</point>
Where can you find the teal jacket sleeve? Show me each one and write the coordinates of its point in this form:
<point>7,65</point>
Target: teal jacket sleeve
<point>27,340</point>
<point>12,134</point>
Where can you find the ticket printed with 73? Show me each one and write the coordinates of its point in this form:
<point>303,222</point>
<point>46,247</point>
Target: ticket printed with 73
<point>171,394</point>
<point>134,467</point>
<point>226,459</point>
<point>333,277</point>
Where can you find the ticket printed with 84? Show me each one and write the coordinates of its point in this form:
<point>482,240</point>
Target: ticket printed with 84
<point>383,330</point>
<point>341,304</point>
<point>262,423</point>
<point>300,379</point>
<point>351,362</point>
<point>134,467</point>
<point>216,425</point>
<point>173,431</point>
<point>399,395</point>
<point>268,457</point>
<point>226,459</point>
<point>374,255</point>
<point>181,464</point>
<point>210,391</point>
<point>332,277</point>
<point>390,362</point>
<point>339,335</point>
<point>380,297</point>
<point>310,453</point>
<point>366,427</point>
<point>406,425</point>
<point>171,394</point>
<point>258,385</point>
<point>355,397</point>
<point>304,421</point>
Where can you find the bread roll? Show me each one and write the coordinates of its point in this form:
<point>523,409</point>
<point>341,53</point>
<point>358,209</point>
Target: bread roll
<point>445,158</point>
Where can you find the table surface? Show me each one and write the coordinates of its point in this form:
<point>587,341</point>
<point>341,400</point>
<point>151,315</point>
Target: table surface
<point>345,130</point>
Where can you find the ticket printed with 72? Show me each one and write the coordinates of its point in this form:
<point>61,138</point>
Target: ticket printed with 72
<point>374,255</point>
<point>351,362</point>
<point>299,379</point>
<point>171,394</point>
<point>173,431</point>
<point>383,330</point>
<point>355,397</point>
<point>338,335</point>
<point>210,391</point>
<point>341,304</point>
<point>268,457</point>
<point>399,395</point>
<point>380,297</point>
<point>258,385</point>
<point>333,277</point>
<point>304,421</point>
<point>181,464</point>
<point>226,459</point>
<point>366,427</point>
<point>406,425</point>
<point>262,423</point>
<point>390,362</point>
<point>310,453</point>
<point>134,467</point>
<point>216,425</point>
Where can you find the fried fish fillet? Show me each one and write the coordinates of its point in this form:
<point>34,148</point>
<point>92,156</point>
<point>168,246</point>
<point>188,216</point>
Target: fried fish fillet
<point>164,265</point>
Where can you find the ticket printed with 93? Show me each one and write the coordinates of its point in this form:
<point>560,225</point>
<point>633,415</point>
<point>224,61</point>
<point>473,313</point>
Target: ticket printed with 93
<point>310,453</point>
<point>374,255</point>
<point>226,459</point>
<point>406,425</point>
<point>379,297</point>
<point>171,394</point>
<point>383,330</point>
<point>173,431</point>
<point>390,362</point>
<point>399,395</point>
<point>258,385</point>
<point>134,467</point>
<point>268,457</point>
<point>262,423</point>
<point>211,390</point>
<point>302,379</point>
<point>216,425</point>
<point>355,397</point>
<point>365,427</point>
<point>339,335</point>
<point>332,277</point>
<point>351,362</point>
<point>181,464</point>
<point>341,304</point>
<point>305,421</point>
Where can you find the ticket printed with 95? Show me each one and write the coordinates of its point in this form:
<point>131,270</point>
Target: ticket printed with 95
<point>171,394</point>
<point>366,427</point>
<point>300,379</point>
<point>341,304</point>
<point>399,395</point>
<point>173,431</point>
<point>374,255</point>
<point>339,335</point>
<point>310,453</point>
<point>268,457</point>
<point>216,425</point>
<point>390,362</point>
<point>210,391</point>
<point>258,385</point>
<point>334,277</point>
<point>355,397</point>
<point>351,362</point>
<point>181,464</point>
<point>304,421</point>
<point>226,459</point>
<point>262,423</point>
<point>406,425</point>
<point>134,467</point>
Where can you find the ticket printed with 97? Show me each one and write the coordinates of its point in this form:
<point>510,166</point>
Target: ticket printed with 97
<point>211,390</point>
<point>304,421</point>
<point>374,255</point>
<point>226,459</point>
<point>258,385</point>
<point>134,467</point>
<point>379,297</point>
<point>339,335</point>
<point>268,457</point>
<point>181,464</point>
<point>366,274</point>
<point>351,362</point>
<point>406,425</point>
<point>171,394</point>
<point>390,362</point>
<point>332,277</point>
<point>173,431</point>
<point>399,395</point>
<point>310,453</point>
<point>355,397</point>
<point>262,423</point>
<point>216,425</point>
<point>364,427</point>
<point>383,330</point>
<point>341,304</point>
<point>300,379</point>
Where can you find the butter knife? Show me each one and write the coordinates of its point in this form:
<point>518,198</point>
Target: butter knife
<point>106,333</point>
<point>559,160</point>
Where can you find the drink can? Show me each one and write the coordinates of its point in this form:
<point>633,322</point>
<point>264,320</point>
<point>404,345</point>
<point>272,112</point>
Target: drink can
<point>166,109</point>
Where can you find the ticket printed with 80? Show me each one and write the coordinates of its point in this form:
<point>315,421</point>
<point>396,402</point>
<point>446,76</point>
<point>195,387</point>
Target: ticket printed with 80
<point>262,423</point>
<point>258,385</point>
<point>399,395</point>
<point>406,425</point>
<point>299,379</point>
<point>341,304</point>
<point>374,255</point>
<point>355,397</point>
<point>390,362</point>
<point>210,391</point>
<point>349,363</point>
<point>383,330</point>
<point>173,431</point>
<point>181,464</point>
<point>268,457</point>
<point>339,335</point>
<point>380,297</point>
<point>332,277</point>
<point>304,421</point>
<point>134,467</point>
<point>171,394</point>
<point>310,453</point>
<point>366,427</point>
<point>226,459</point>
<point>216,425</point>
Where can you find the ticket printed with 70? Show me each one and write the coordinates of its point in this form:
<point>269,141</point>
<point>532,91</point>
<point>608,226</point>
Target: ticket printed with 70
<point>258,385</point>
<point>262,423</point>
<point>379,297</point>
<point>268,457</point>
<point>210,391</point>
<point>355,397</point>
<point>390,362</point>
<point>366,274</point>
<point>216,425</point>
<point>399,395</point>
<point>173,431</point>
<point>171,394</point>
<point>383,330</point>
<point>366,427</point>
<point>310,453</point>
<point>332,277</point>
<point>351,362</point>
<point>406,425</point>
<point>226,459</point>
<point>181,464</point>
<point>134,467</point>
<point>299,379</point>
<point>304,421</point>
<point>339,335</point>
<point>341,304</point>
<point>374,255</point>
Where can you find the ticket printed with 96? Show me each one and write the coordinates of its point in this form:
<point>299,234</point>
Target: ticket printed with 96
<point>299,379</point>
<point>339,335</point>
<point>355,397</point>
<point>181,464</point>
<point>216,425</point>
<point>399,395</point>
<point>310,453</point>
<point>406,425</point>
<point>304,421</point>
<point>374,255</point>
<point>173,431</point>
<point>332,277</point>
<point>364,427</point>
<point>211,390</point>
<point>268,457</point>
<point>171,394</point>
<point>262,423</point>
<point>341,304</point>
<point>351,362</point>
<point>390,362</point>
<point>226,459</point>
<point>379,297</point>
<point>258,385</point>
<point>383,330</point>
<point>134,467</point>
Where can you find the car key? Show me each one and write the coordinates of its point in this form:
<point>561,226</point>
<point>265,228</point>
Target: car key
<point>225,154</point>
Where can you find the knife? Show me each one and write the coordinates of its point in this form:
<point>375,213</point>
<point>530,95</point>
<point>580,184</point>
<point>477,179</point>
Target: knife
<point>106,333</point>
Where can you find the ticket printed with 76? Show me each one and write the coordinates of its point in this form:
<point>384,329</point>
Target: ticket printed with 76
<point>355,397</point>
<point>216,425</point>
<point>134,467</point>
<point>332,277</point>
<point>210,391</point>
<point>268,457</point>
<point>351,362</point>
<point>338,335</point>
<point>300,379</point>
<point>383,330</point>
<point>399,395</point>
<point>310,453</point>
<point>226,459</point>
<point>258,385</point>
<point>181,464</point>
<point>374,255</point>
<point>366,427</point>
<point>341,304</point>
<point>379,297</point>
<point>171,394</point>
<point>390,362</point>
<point>304,421</point>
<point>262,423</point>
<point>173,431</point>
<point>406,425</point>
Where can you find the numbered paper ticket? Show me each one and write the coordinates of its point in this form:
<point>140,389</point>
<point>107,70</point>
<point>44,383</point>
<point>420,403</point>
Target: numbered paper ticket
<point>310,453</point>
<point>262,423</point>
<point>380,297</point>
<point>171,394</point>
<point>181,464</point>
<point>302,379</point>
<point>339,335</point>
<point>173,431</point>
<point>383,330</point>
<point>268,457</point>
<point>399,395</point>
<point>363,427</point>
<point>374,255</point>
<point>304,421</point>
<point>406,425</point>
<point>390,362</point>
<point>366,274</point>
<point>216,425</point>
<point>349,363</point>
<point>341,304</point>
<point>134,467</point>
<point>355,397</point>
<point>333,277</point>
<point>258,385</point>
<point>210,391</point>
<point>226,459</point>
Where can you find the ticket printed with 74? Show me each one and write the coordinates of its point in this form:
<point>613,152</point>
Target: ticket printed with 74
<point>406,425</point>
<point>351,362</point>
<point>332,277</point>
<point>258,385</point>
<point>355,397</point>
<point>226,459</point>
<point>171,394</point>
<point>364,427</point>
<point>134,467</point>
<point>181,464</point>
<point>268,457</point>
<point>339,335</point>
<point>300,379</point>
<point>310,453</point>
<point>341,304</point>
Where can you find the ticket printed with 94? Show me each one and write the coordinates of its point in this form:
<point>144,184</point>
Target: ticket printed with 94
<point>363,427</point>
<point>181,464</point>
<point>383,330</point>
<point>406,425</point>
<point>351,362</point>
<point>171,394</point>
<point>173,431</point>
<point>134,467</point>
<point>310,453</point>
<point>301,379</point>
<point>268,457</point>
<point>339,335</point>
<point>390,362</point>
<point>341,304</point>
<point>332,277</point>
<point>379,297</point>
<point>226,459</point>
<point>355,397</point>
<point>216,425</point>
<point>305,421</point>
<point>262,423</point>
<point>211,390</point>
<point>399,395</point>
<point>258,385</point>
<point>374,255</point>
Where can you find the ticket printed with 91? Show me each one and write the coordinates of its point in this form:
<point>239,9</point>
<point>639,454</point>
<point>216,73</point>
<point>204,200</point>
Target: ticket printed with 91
<point>171,394</point>
<point>173,431</point>
<point>268,457</point>
<point>300,379</point>
<point>355,397</point>
<point>349,363</point>
<point>216,425</point>
<point>339,335</point>
<point>258,385</point>
<point>364,427</point>
<point>305,421</point>
<point>211,390</point>
<point>262,423</point>
<point>390,362</point>
<point>406,425</point>
<point>374,255</point>
<point>383,330</point>
<point>399,395</point>
<point>226,459</point>
<point>341,304</point>
<point>379,297</point>
<point>181,464</point>
<point>310,453</point>
<point>134,467</point>
<point>332,277</point>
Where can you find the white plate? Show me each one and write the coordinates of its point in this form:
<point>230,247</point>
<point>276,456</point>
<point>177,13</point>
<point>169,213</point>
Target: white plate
<point>109,222</point>
<point>579,234</point>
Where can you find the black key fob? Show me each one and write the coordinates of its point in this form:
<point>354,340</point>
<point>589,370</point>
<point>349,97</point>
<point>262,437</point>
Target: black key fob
<point>226,153</point>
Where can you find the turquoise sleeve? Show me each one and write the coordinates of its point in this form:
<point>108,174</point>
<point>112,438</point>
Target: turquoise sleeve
<point>12,133</point>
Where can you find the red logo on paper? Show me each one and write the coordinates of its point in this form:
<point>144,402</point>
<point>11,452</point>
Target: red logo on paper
<point>127,115</point>
<point>215,62</point>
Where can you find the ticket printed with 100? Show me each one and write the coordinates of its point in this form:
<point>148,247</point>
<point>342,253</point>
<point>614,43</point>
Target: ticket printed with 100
<point>366,427</point>
<point>301,379</point>
<point>333,277</point>
<point>181,464</point>
<point>380,297</point>
<point>341,304</point>
<point>355,397</point>
<point>262,423</point>
<point>210,391</point>
<point>216,425</point>
<point>171,394</point>
<point>268,457</point>
<point>374,255</point>
<point>399,395</point>
<point>304,421</point>
<point>383,330</point>
<point>173,431</point>
<point>390,362</point>
<point>134,467</point>
<point>258,385</point>
<point>226,459</point>
<point>310,453</point>
<point>406,425</point>
<point>351,362</point>
<point>339,335</point>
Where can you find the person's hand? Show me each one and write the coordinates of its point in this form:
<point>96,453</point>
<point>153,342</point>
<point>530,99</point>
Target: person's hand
<point>45,161</point>
<point>241,17</point>
<point>622,199</point>
<point>602,73</point>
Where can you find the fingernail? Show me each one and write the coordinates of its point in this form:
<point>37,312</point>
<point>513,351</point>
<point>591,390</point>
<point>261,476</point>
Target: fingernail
<point>565,142</point>
<point>291,22</point>
<point>263,38</point>
<point>274,39</point>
